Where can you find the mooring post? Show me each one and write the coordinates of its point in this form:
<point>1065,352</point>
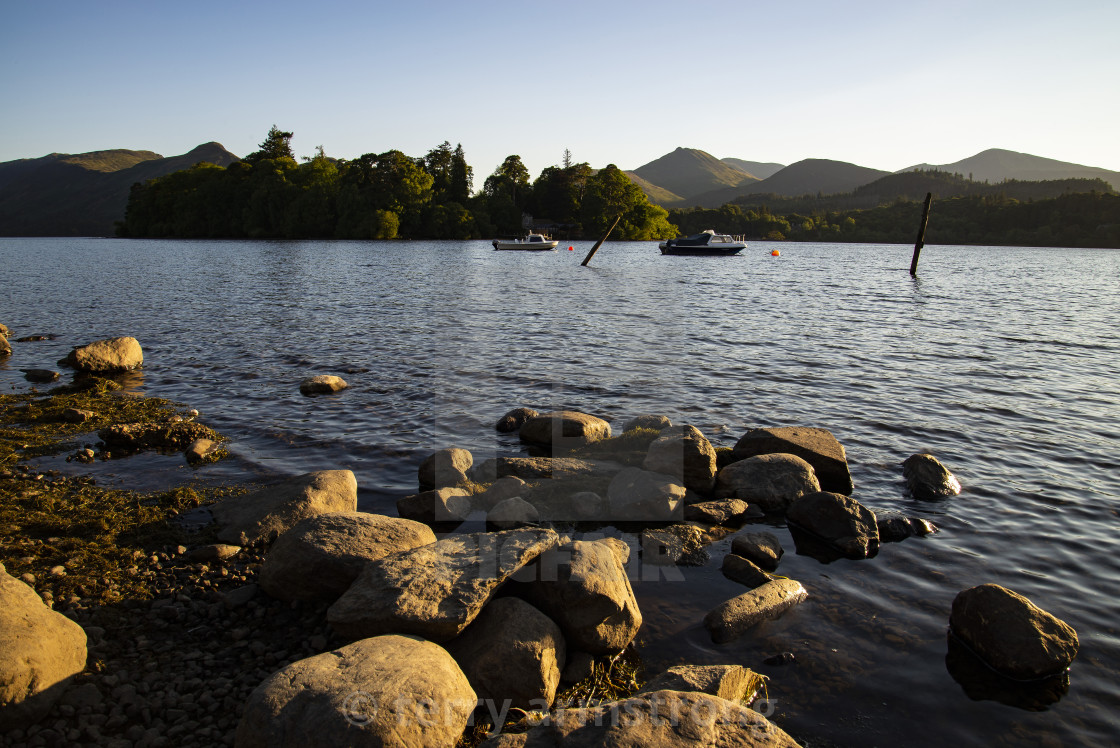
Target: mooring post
<point>598,243</point>
<point>921,234</point>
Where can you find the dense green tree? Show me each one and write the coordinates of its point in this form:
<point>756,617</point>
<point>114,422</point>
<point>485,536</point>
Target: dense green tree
<point>277,144</point>
<point>610,194</point>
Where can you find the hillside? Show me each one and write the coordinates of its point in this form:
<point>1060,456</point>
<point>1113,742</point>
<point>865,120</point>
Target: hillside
<point>996,165</point>
<point>687,172</point>
<point>756,169</point>
<point>657,195</point>
<point>815,175</point>
<point>83,194</point>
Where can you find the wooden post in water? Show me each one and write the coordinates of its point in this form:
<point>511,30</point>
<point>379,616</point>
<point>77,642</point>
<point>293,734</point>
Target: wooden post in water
<point>596,247</point>
<point>921,242</point>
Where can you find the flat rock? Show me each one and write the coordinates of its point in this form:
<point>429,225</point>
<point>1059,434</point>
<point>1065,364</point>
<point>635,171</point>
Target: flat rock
<point>321,556</point>
<point>735,617</point>
<point>927,479</point>
<point>382,691</point>
<point>40,376</point>
<point>435,591</point>
<point>763,548</point>
<point>666,719</point>
<point>512,651</point>
<point>109,356</point>
<point>564,429</point>
<point>676,545</point>
<point>771,481</point>
<point>1012,634</point>
<point>582,585</point>
<point>268,512</point>
<point>322,384</point>
<point>838,520</point>
<point>818,447</point>
<point>731,682</point>
<point>174,436</point>
<point>637,495</point>
<point>685,453</point>
<point>514,419</point>
<point>719,512</point>
<point>40,651</point>
<point>444,467</point>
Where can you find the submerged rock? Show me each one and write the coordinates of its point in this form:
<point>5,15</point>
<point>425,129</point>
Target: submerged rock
<point>323,384</point>
<point>735,617</point>
<point>818,447</point>
<point>1012,634</point>
<point>40,376</point>
<point>927,478</point>
<point>514,419</point>
<point>108,356</point>
<point>896,526</point>
<point>655,422</point>
<point>382,691</point>
<point>763,548</point>
<point>838,520</point>
<point>435,591</point>
<point>40,651</point>
<point>771,482</point>
<point>176,436</point>
<point>202,451</point>
<point>744,571</point>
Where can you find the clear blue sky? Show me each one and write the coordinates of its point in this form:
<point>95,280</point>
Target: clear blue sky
<point>880,84</point>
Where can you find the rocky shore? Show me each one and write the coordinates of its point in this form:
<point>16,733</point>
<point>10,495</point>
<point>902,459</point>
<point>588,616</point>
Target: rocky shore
<point>295,619</point>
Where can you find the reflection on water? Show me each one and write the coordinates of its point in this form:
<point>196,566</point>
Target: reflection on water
<point>999,361</point>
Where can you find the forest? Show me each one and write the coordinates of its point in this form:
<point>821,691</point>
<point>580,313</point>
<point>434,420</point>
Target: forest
<point>385,196</point>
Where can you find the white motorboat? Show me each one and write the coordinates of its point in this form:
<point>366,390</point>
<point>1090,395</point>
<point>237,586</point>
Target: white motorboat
<point>532,242</point>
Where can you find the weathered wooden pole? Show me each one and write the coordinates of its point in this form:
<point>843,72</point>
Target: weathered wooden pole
<point>921,242</point>
<point>598,243</point>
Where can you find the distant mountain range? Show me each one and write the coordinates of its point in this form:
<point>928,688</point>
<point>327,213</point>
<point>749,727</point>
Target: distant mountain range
<point>85,194</point>
<point>689,178</point>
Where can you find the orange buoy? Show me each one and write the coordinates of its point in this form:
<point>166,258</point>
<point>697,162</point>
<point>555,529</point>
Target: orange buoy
<point>569,249</point>
<point>774,253</point>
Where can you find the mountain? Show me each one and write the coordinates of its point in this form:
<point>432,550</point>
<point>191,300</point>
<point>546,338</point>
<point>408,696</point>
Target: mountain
<point>687,172</point>
<point>754,168</point>
<point>657,195</point>
<point>83,194</point>
<point>815,175</point>
<point>996,164</point>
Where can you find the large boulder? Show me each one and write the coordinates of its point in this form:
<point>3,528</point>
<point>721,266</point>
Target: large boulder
<point>582,585</point>
<point>443,505</point>
<point>435,591</point>
<point>666,719</point>
<point>926,478</point>
<point>109,356</point>
<point>637,495</point>
<point>321,556</point>
<point>444,467</point>
<point>564,429</point>
<point>771,482</point>
<point>1012,634</point>
<point>818,447</point>
<point>383,691</point>
<point>40,651</point>
<point>838,520</point>
<point>731,682</point>
<point>685,453</point>
<point>267,513</point>
<point>512,651</point>
<point>735,617</point>
<point>763,548</point>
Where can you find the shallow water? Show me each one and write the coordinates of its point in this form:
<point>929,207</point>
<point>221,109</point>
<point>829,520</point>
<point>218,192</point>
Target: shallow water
<point>1000,361</point>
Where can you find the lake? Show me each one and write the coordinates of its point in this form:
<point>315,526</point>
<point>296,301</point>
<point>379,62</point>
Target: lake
<point>1002,362</point>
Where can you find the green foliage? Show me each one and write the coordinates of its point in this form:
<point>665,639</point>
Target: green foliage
<point>609,194</point>
<point>277,144</point>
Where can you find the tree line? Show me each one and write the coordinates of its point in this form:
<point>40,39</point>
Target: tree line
<point>268,194</point>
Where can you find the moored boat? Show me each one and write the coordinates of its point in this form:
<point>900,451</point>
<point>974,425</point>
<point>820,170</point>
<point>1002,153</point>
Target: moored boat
<point>532,242</point>
<point>705,243</point>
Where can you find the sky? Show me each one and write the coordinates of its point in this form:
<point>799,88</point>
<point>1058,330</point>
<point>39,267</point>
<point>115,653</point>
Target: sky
<point>885,85</point>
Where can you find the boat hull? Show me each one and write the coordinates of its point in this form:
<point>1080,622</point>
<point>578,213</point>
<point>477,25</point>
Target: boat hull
<point>545,246</point>
<point>708,251</point>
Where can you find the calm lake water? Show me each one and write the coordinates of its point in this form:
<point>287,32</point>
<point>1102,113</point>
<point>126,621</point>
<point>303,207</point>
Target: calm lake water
<point>1002,362</point>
